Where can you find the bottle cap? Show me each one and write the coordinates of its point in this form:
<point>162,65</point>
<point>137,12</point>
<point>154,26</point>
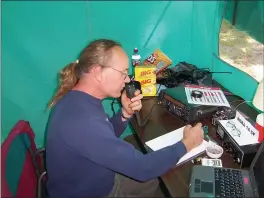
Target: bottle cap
<point>135,49</point>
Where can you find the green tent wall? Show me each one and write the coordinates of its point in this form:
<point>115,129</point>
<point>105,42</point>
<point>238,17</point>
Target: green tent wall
<point>41,37</point>
<point>247,16</point>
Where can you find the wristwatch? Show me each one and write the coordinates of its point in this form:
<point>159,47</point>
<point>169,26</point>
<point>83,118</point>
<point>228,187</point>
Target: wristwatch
<point>124,116</point>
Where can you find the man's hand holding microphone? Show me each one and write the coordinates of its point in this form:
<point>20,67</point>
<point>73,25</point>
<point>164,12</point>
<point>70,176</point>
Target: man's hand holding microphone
<point>193,136</point>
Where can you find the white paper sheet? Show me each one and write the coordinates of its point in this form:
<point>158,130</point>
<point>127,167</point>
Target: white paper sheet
<point>248,133</point>
<point>172,138</point>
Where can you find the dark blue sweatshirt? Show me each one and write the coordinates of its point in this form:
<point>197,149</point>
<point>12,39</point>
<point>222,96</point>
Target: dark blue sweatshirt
<point>84,151</point>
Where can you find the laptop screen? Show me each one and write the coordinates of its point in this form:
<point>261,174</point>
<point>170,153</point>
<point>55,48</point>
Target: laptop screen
<point>258,170</point>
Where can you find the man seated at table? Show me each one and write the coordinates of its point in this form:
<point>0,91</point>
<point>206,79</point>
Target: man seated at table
<point>84,154</point>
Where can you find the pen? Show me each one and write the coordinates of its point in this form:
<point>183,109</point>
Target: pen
<point>208,139</point>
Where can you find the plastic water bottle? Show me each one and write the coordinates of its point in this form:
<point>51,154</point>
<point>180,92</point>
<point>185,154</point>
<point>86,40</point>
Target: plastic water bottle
<point>136,58</point>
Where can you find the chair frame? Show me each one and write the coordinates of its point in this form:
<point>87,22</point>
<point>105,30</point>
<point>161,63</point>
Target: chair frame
<point>40,174</point>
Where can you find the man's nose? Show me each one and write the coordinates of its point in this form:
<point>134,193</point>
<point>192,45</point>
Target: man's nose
<point>127,79</point>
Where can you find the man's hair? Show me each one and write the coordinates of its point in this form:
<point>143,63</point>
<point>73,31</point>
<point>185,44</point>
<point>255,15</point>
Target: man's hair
<point>97,52</point>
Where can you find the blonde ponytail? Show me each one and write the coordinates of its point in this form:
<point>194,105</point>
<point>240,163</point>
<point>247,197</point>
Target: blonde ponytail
<point>97,52</point>
<point>68,80</point>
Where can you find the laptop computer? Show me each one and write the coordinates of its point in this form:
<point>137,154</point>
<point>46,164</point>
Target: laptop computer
<point>208,181</point>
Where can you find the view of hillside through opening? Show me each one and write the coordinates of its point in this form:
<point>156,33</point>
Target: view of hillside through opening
<point>241,50</point>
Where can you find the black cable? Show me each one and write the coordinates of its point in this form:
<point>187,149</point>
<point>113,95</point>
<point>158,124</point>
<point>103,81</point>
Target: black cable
<point>112,106</point>
<point>115,101</point>
<point>140,123</point>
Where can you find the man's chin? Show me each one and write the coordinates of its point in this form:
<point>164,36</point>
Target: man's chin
<point>117,95</point>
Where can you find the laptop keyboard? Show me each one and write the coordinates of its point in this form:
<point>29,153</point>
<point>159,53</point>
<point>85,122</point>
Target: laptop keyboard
<point>228,183</point>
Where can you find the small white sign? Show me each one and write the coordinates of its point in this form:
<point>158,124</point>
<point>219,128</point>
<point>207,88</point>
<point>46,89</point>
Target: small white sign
<point>212,162</point>
<point>241,130</point>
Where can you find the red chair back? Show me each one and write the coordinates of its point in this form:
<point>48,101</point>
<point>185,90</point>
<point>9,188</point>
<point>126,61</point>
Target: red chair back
<point>18,173</point>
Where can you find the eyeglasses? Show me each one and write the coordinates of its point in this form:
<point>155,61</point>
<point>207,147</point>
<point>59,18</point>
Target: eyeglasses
<point>235,131</point>
<point>121,72</point>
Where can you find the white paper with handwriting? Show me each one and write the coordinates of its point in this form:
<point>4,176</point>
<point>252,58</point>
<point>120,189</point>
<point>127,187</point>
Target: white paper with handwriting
<point>241,130</point>
<point>173,137</point>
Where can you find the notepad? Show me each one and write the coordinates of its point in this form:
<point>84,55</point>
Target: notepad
<point>172,138</point>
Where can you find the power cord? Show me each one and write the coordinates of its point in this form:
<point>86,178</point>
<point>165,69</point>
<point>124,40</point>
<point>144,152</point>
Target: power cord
<point>114,101</point>
<point>141,124</point>
<point>241,104</point>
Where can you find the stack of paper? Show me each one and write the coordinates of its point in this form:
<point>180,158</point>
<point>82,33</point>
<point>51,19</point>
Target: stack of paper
<point>172,138</point>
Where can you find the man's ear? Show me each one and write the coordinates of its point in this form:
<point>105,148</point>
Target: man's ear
<point>97,72</point>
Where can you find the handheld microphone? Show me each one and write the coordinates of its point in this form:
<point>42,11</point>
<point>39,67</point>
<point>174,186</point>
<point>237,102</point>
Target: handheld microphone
<point>131,87</point>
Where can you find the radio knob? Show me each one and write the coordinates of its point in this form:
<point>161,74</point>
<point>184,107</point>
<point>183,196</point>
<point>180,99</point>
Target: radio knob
<point>172,108</point>
<point>199,112</point>
<point>166,103</point>
<point>161,95</point>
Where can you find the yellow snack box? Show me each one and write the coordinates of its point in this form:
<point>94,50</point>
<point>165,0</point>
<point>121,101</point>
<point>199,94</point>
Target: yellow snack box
<point>145,71</point>
<point>146,75</point>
